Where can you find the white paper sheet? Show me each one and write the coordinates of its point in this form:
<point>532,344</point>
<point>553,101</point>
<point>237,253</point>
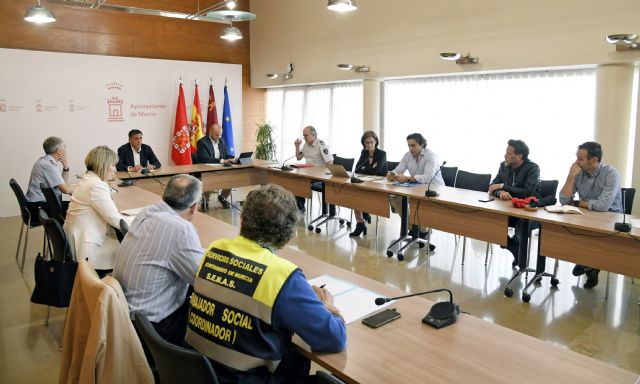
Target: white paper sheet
<point>353,301</point>
<point>635,223</point>
<point>132,211</point>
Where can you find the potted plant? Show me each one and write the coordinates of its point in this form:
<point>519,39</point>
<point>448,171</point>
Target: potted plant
<point>265,144</point>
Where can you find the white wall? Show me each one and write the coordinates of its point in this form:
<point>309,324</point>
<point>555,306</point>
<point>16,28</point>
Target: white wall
<point>405,37</point>
<point>73,90</point>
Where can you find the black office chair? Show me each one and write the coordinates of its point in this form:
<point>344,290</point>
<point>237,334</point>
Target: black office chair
<point>449,175</point>
<point>29,221</point>
<point>548,190</point>
<point>175,365</point>
<point>475,182</point>
<point>324,218</point>
<point>391,165</point>
<point>628,194</point>
<point>53,202</point>
<point>62,252</point>
<point>323,377</point>
<point>122,231</point>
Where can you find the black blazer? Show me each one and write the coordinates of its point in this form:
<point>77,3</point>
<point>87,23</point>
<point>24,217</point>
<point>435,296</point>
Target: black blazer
<point>125,157</point>
<point>205,152</point>
<point>377,167</point>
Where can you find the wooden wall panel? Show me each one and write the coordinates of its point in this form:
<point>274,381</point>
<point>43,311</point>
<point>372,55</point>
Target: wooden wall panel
<point>104,32</point>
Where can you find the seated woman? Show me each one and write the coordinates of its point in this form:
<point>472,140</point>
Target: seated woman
<point>92,212</point>
<point>372,161</point>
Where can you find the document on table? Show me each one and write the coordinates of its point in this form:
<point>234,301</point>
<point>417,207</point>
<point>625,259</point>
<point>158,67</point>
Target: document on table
<point>635,223</point>
<point>370,177</point>
<point>354,302</point>
<point>132,211</point>
<point>215,164</point>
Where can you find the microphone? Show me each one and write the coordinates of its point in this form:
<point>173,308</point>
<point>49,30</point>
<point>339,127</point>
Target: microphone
<point>151,174</point>
<point>354,179</point>
<point>441,314</point>
<point>144,171</point>
<point>128,182</point>
<point>286,168</point>
<point>429,192</point>
<point>624,226</point>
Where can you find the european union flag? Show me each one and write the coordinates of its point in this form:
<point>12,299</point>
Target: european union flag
<point>227,126</point>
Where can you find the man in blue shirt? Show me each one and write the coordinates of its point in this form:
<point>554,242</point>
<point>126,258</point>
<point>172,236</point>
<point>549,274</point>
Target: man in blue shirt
<point>598,188</point>
<point>248,302</point>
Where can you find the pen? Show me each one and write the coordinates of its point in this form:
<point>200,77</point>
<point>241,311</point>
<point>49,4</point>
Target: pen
<point>323,285</point>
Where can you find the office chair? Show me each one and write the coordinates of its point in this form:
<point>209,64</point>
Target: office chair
<point>325,217</point>
<point>548,188</point>
<point>475,182</point>
<point>449,175</point>
<point>628,194</point>
<point>28,221</point>
<point>53,202</point>
<point>175,365</point>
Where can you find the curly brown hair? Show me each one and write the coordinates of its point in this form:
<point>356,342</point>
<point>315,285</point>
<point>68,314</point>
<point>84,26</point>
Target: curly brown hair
<point>269,216</point>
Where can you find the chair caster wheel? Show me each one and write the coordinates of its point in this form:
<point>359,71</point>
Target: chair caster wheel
<point>420,244</point>
<point>508,292</point>
<point>555,282</point>
<point>310,227</point>
<point>349,224</point>
<point>341,221</point>
<point>318,230</point>
<point>389,253</point>
<point>400,257</point>
<point>539,280</point>
<point>526,297</point>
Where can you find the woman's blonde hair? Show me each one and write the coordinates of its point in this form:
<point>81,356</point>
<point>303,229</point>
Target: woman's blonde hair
<point>99,159</point>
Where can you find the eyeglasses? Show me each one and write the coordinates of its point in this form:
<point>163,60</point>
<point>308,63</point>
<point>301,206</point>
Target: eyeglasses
<point>370,142</point>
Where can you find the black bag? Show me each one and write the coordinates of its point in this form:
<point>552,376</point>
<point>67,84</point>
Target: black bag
<point>54,281</point>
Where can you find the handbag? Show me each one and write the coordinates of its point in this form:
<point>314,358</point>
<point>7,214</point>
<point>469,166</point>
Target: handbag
<point>54,281</point>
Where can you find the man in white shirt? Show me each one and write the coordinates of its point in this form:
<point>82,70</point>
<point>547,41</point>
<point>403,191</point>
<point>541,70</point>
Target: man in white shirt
<point>422,164</point>
<point>315,152</point>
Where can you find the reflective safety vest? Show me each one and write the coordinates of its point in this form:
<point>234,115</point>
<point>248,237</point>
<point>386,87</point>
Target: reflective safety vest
<point>230,310</point>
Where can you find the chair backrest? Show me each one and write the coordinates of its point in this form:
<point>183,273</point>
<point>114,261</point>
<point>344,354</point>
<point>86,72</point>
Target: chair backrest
<point>391,165</point>
<point>175,364</point>
<point>449,175</point>
<point>628,195</point>
<point>345,162</point>
<point>473,181</point>
<point>53,202</point>
<point>57,238</point>
<point>122,231</point>
<point>22,203</point>
<point>548,188</point>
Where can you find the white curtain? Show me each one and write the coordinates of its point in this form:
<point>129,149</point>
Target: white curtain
<point>335,110</point>
<point>468,119</point>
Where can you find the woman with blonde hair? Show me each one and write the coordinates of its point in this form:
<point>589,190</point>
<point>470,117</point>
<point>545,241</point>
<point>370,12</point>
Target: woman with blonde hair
<point>92,212</point>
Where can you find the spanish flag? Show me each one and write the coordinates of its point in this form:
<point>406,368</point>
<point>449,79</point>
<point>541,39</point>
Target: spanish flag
<point>195,132</point>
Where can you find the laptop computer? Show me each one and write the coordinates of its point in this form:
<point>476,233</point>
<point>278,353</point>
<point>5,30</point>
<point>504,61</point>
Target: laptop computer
<point>245,158</point>
<point>337,170</point>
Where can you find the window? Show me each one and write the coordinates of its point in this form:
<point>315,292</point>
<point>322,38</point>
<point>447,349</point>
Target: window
<point>334,110</point>
<point>468,119</point>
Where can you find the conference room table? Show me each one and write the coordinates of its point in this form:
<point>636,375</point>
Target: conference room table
<point>587,239</point>
<point>406,350</point>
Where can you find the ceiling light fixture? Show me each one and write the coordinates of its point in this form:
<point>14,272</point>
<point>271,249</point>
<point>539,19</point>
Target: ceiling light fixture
<point>458,58</point>
<point>355,68</point>
<point>285,76</point>
<point>231,33</point>
<point>39,14</point>
<point>342,5</point>
<point>624,41</point>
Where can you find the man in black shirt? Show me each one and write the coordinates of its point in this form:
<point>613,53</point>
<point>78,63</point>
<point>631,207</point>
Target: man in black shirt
<point>517,177</point>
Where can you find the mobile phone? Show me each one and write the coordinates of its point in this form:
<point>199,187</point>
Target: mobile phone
<point>486,200</point>
<point>381,318</point>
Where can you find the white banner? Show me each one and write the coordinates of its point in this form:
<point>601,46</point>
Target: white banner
<point>91,100</point>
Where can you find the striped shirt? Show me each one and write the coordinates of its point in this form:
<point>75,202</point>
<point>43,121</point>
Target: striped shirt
<point>601,190</point>
<point>157,261</point>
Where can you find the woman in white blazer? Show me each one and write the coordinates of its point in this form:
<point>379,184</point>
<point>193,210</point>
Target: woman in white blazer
<point>92,212</point>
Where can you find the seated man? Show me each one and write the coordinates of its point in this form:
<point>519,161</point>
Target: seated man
<point>422,164</point>
<point>158,258</point>
<point>134,155</point>
<point>248,302</point>
<point>212,149</point>
<point>315,152</point>
<point>49,170</point>
<point>517,177</point>
<point>598,188</point>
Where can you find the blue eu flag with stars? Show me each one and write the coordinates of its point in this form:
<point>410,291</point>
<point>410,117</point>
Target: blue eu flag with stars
<point>227,126</point>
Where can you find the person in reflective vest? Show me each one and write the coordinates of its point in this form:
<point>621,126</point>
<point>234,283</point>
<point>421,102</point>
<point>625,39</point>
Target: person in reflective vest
<point>248,302</point>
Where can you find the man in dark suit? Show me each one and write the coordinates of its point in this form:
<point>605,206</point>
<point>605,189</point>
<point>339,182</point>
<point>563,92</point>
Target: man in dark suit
<point>134,155</point>
<point>211,150</point>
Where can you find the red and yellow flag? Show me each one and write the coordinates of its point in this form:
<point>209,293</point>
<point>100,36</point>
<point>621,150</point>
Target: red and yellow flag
<point>196,122</point>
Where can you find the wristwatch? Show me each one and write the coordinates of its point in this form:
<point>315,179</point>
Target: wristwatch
<point>65,169</point>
